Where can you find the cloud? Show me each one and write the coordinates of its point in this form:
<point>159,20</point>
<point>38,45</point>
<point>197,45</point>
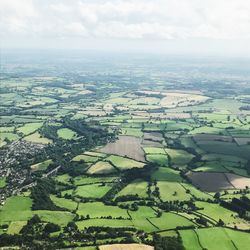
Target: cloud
<point>126,19</point>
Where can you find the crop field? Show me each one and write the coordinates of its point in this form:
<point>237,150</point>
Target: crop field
<point>210,182</point>
<point>126,146</point>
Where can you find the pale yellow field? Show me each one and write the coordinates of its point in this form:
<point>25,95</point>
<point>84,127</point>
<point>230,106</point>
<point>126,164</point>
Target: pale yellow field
<point>126,247</point>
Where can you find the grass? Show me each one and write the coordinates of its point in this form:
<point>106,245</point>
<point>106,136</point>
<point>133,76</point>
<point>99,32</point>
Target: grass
<point>65,178</point>
<point>9,136</point>
<point>92,191</point>
<point>37,138</point>
<point>16,208</point>
<point>170,221</point>
<point>41,166</point>
<point>132,131</point>
<point>178,156</point>
<point>196,192</point>
<point>166,174</point>
<point>98,209</point>
<point>222,239</point>
<point>171,191</point>
<point>226,148</point>
<point>66,134</point>
<point>58,217</point>
<point>103,223</point>
<point>159,159</point>
<point>101,167</point>
<point>2,182</point>
<point>216,212</point>
<point>190,240</point>
<point>123,163</point>
<point>16,226</point>
<point>86,158</point>
<point>140,218</point>
<point>82,180</point>
<point>153,150</point>
<point>137,187</point>
<point>29,128</point>
<point>64,203</point>
<point>212,166</point>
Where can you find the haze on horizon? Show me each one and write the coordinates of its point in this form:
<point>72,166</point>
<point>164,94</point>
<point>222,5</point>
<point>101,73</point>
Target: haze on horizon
<point>214,27</point>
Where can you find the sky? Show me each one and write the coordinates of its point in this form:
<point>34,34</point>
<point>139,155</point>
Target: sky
<point>199,27</point>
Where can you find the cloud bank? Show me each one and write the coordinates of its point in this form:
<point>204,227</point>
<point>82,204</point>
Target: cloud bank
<point>143,20</point>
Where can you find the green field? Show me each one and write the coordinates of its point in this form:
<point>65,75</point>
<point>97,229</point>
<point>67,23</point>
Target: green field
<point>92,191</point>
<point>41,166</point>
<point>29,128</point>
<point>98,209</point>
<point>37,138</point>
<point>214,239</point>
<point>137,187</point>
<point>170,191</point>
<point>2,182</point>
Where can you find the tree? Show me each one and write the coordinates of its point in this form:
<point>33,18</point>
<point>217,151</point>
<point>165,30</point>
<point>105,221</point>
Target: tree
<point>51,227</point>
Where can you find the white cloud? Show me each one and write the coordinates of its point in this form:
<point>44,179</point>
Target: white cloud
<point>126,19</point>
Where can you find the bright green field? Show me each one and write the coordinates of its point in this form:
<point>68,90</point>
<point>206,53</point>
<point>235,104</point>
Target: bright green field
<point>170,191</point>
<point>98,209</point>
<point>215,239</point>
<point>104,222</point>
<point>190,240</point>
<point>64,203</point>
<point>217,212</point>
<point>66,134</point>
<point>170,221</point>
<point>82,180</point>
<point>58,217</point>
<point>154,150</point>
<point>137,187</point>
<point>92,191</point>
<point>16,208</point>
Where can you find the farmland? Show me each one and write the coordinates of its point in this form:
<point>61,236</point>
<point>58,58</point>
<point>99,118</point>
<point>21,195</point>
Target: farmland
<point>117,158</point>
